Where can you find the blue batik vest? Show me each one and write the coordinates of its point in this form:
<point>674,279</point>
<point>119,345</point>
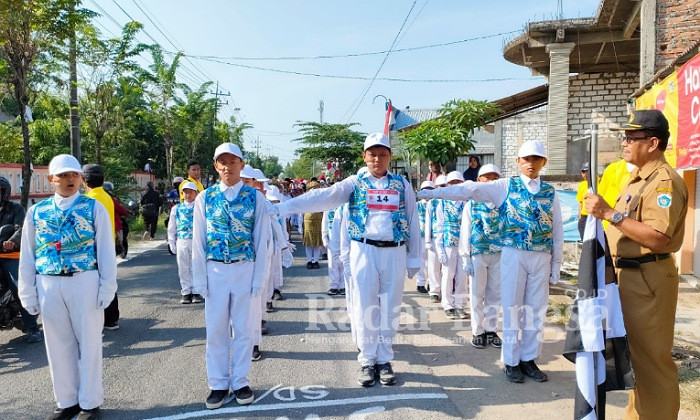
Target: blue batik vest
<point>358,210</point>
<point>184,216</point>
<point>421,217</point>
<point>331,216</point>
<point>230,224</point>
<point>65,239</point>
<point>452,212</point>
<point>435,203</point>
<point>487,226</point>
<point>527,217</point>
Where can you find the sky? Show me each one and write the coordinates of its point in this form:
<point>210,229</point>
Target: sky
<point>221,36</point>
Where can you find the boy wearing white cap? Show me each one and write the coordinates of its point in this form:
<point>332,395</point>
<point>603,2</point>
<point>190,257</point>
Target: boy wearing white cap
<point>448,219</point>
<point>421,277</point>
<point>480,248</point>
<point>68,272</point>
<point>229,258</point>
<point>180,226</point>
<point>382,221</point>
<point>531,255</point>
<point>430,231</point>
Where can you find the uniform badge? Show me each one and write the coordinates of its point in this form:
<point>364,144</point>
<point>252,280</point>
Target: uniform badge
<point>663,200</point>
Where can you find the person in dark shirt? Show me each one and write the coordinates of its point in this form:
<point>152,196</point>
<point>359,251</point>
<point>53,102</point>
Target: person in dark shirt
<point>472,172</point>
<point>150,208</point>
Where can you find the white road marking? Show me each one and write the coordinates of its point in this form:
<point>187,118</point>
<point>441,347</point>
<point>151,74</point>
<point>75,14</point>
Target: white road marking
<point>303,404</point>
<point>266,393</point>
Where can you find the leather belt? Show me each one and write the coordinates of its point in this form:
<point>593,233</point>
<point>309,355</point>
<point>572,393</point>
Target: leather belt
<point>227,262</point>
<point>636,262</point>
<point>380,244</point>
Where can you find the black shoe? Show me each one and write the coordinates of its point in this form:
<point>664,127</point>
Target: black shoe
<point>513,374</point>
<point>341,292</point>
<point>451,313</point>
<point>91,414</point>
<point>244,396</point>
<point>269,308</point>
<point>367,374</point>
<point>111,325</point>
<point>479,341</point>
<point>333,292</point>
<point>324,257</point>
<point>64,413</point>
<point>263,328</point>
<point>531,370</point>
<point>34,336</point>
<point>197,298</point>
<point>493,339</point>
<point>386,374</point>
<point>277,295</point>
<point>256,353</point>
<point>309,265</point>
<point>316,265</point>
<point>186,299</point>
<point>434,298</point>
<point>422,289</point>
<point>461,313</point>
<point>217,398</point>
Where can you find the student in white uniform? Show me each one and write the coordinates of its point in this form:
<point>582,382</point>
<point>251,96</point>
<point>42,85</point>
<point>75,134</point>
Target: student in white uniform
<point>480,249</point>
<point>335,267</point>
<point>383,224</point>
<point>430,229</point>
<point>422,276</point>
<point>286,258</point>
<point>68,272</point>
<point>531,255</point>
<point>180,241</point>
<point>229,259</point>
<point>448,220</point>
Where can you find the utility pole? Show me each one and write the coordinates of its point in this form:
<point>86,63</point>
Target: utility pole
<point>216,107</point>
<point>320,109</point>
<point>74,117</point>
<point>256,146</point>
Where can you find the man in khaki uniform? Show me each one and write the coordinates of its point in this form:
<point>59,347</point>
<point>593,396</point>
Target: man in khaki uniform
<point>646,227</point>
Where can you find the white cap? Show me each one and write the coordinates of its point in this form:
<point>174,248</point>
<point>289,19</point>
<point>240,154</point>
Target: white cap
<point>248,172</point>
<point>259,175</point>
<point>266,186</point>
<point>377,139</point>
<point>532,148</point>
<point>455,176</point>
<point>178,179</point>
<point>427,184</point>
<point>227,148</point>
<point>362,170</point>
<point>441,180</point>
<point>189,185</point>
<point>273,193</point>
<point>64,163</point>
<point>489,168</point>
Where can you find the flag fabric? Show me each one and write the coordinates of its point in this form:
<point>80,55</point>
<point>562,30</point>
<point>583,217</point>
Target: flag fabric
<point>596,340</point>
<point>390,118</point>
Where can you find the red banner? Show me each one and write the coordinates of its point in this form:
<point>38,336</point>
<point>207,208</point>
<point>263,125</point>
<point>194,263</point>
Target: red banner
<point>688,144</point>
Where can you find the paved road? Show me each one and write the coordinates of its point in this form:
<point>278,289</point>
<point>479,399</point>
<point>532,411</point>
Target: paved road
<point>155,367</point>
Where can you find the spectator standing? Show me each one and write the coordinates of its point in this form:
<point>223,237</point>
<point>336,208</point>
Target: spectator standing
<point>150,208</point>
<point>472,172</point>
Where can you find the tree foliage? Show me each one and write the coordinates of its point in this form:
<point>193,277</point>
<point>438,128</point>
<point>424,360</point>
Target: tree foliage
<point>336,143</point>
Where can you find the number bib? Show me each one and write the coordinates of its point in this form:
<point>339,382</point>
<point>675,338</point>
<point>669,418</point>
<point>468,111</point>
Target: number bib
<point>387,200</point>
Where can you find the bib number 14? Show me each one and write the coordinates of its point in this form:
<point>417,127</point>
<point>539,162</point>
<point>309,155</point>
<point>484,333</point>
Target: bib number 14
<point>387,200</point>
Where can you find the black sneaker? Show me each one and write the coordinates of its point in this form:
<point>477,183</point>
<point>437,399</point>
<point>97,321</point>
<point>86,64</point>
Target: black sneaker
<point>333,292</point>
<point>197,298</point>
<point>263,327</point>
<point>277,295</point>
<point>324,257</point>
<point>91,414</point>
<point>269,308</point>
<point>451,313</point>
<point>217,398</point>
<point>309,265</point>
<point>462,314</point>
<point>531,370</point>
<point>434,298</point>
<point>244,396</point>
<point>111,325</point>
<point>341,292</point>
<point>316,265</point>
<point>493,339</point>
<point>65,413</point>
<point>479,341</point>
<point>386,374</point>
<point>33,336</point>
<point>186,299</point>
<point>256,353</point>
<point>513,374</point>
<point>367,374</point>
<point>422,289</point>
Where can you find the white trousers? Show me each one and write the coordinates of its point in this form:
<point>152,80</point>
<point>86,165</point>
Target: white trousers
<point>454,281</point>
<point>313,253</point>
<point>229,303</point>
<point>73,337</point>
<point>277,277</point>
<point>485,292</point>
<point>184,265</point>
<point>422,274</point>
<point>335,272</point>
<point>434,273</point>
<point>348,284</point>
<point>378,278</point>
<point>524,297</point>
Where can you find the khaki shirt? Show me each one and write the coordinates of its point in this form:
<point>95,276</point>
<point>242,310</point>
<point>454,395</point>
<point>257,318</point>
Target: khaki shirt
<point>656,196</point>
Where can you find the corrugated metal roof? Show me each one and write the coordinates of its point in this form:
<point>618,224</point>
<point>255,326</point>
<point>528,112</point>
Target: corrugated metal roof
<point>411,117</point>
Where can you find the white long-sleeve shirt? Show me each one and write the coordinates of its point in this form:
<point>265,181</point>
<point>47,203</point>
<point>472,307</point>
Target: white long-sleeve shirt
<point>104,246</point>
<point>261,236</point>
<point>378,225</point>
<point>496,192</point>
<point>172,225</point>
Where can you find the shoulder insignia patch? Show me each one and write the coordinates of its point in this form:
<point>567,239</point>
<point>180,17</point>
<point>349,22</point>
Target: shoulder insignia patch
<point>663,200</point>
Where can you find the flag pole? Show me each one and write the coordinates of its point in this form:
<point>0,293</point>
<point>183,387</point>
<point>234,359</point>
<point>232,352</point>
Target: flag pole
<point>593,183</point>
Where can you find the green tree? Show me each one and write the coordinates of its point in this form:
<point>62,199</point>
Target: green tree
<point>299,168</point>
<point>331,143</point>
<point>268,164</point>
